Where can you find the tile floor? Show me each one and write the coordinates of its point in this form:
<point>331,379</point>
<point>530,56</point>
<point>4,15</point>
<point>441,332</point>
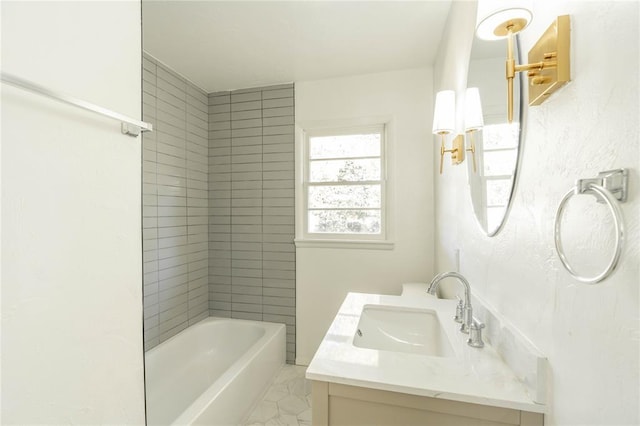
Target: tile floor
<point>286,402</point>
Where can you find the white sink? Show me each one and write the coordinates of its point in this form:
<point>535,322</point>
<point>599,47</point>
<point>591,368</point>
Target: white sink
<point>400,329</point>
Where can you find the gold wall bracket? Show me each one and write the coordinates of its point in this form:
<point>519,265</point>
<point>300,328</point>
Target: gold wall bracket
<point>549,66</point>
<point>457,151</point>
<point>551,60</point>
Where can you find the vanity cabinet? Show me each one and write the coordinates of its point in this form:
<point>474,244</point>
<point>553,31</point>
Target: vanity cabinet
<point>336,404</point>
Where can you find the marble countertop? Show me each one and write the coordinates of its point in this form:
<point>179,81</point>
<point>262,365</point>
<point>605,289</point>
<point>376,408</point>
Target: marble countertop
<point>474,375</point>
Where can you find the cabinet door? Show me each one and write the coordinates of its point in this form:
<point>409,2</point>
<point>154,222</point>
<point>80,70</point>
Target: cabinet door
<point>338,405</point>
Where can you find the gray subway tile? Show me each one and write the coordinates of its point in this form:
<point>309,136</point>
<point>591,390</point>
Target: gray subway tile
<point>245,185</point>
<point>277,130</point>
<point>247,124</point>
<point>286,157</point>
<point>220,193</point>
<point>277,103</point>
<point>251,316</point>
<point>279,292</point>
<point>278,220</point>
<point>279,310</point>
<point>246,167</point>
<point>278,121</point>
<point>248,149</point>
<point>219,117</point>
<point>246,115</point>
<point>246,298</point>
<point>246,307</point>
<point>279,301</point>
<point>220,134</point>
<point>222,99</point>
<point>278,139</point>
<point>246,290</point>
<point>248,273</point>
<point>247,176</point>
<point>220,108</point>
<point>245,97</point>
<point>252,131</point>
<point>248,281</point>
<point>245,106</point>
<point>277,112</point>
<point>219,125</point>
<point>276,94</point>
<point>282,319</point>
<point>279,265</point>
<point>246,255</point>
<point>246,246</point>
<point>278,238</point>
<point>278,184</point>
<point>220,313</point>
<point>277,148</point>
<point>247,140</point>
<point>279,247</point>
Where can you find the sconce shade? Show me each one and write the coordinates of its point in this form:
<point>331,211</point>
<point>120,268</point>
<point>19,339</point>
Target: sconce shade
<point>444,115</point>
<point>473,110</point>
<point>494,16</point>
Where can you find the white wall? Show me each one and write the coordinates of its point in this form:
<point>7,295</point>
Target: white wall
<point>589,333</point>
<point>71,233</point>
<point>325,275</point>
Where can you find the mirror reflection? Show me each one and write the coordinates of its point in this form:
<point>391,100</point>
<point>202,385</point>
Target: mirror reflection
<point>497,143</point>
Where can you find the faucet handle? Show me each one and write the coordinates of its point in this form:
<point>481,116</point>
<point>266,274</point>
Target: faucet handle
<point>475,334</point>
<point>458,317</point>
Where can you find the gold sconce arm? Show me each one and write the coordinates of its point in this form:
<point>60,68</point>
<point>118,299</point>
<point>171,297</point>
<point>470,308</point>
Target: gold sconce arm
<point>472,149</point>
<point>511,73</point>
<point>442,151</point>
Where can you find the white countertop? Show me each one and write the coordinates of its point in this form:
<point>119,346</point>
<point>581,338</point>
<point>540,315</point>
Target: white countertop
<point>474,375</point>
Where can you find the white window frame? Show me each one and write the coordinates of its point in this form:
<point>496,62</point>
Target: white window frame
<point>304,238</point>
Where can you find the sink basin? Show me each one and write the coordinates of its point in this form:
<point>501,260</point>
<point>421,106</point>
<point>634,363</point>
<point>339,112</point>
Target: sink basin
<point>396,329</point>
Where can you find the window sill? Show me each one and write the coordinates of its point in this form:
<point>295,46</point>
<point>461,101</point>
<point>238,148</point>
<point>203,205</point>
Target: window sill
<point>344,244</point>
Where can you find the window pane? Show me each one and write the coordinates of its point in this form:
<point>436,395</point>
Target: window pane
<point>345,221</point>
<point>344,196</point>
<point>498,163</point>
<point>498,192</point>
<point>344,170</point>
<point>497,136</point>
<point>344,146</point>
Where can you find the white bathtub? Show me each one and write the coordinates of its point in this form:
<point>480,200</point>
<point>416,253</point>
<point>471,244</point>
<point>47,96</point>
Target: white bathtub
<point>213,372</point>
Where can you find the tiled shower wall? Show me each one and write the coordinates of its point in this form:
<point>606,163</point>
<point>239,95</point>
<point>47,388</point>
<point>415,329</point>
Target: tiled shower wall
<point>218,205</point>
<point>175,203</point>
<point>251,206</point>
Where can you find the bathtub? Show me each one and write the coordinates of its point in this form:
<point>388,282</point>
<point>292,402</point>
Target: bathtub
<point>213,372</point>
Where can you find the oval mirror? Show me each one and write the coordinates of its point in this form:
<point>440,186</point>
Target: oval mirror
<point>498,144</point>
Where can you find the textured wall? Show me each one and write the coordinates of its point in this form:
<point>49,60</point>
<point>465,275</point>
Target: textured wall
<point>175,203</point>
<point>71,249</point>
<point>251,204</point>
<point>589,333</point>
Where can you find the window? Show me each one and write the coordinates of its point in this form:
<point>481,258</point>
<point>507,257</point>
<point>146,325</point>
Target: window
<point>500,142</point>
<point>344,184</point>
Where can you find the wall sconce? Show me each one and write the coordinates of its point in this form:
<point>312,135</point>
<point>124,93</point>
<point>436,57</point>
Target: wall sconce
<point>473,119</point>
<point>549,62</point>
<point>444,123</point>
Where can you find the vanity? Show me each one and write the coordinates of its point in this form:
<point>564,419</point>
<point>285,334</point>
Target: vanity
<point>397,360</point>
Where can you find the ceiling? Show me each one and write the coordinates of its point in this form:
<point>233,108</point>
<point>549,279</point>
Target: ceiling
<point>225,45</point>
